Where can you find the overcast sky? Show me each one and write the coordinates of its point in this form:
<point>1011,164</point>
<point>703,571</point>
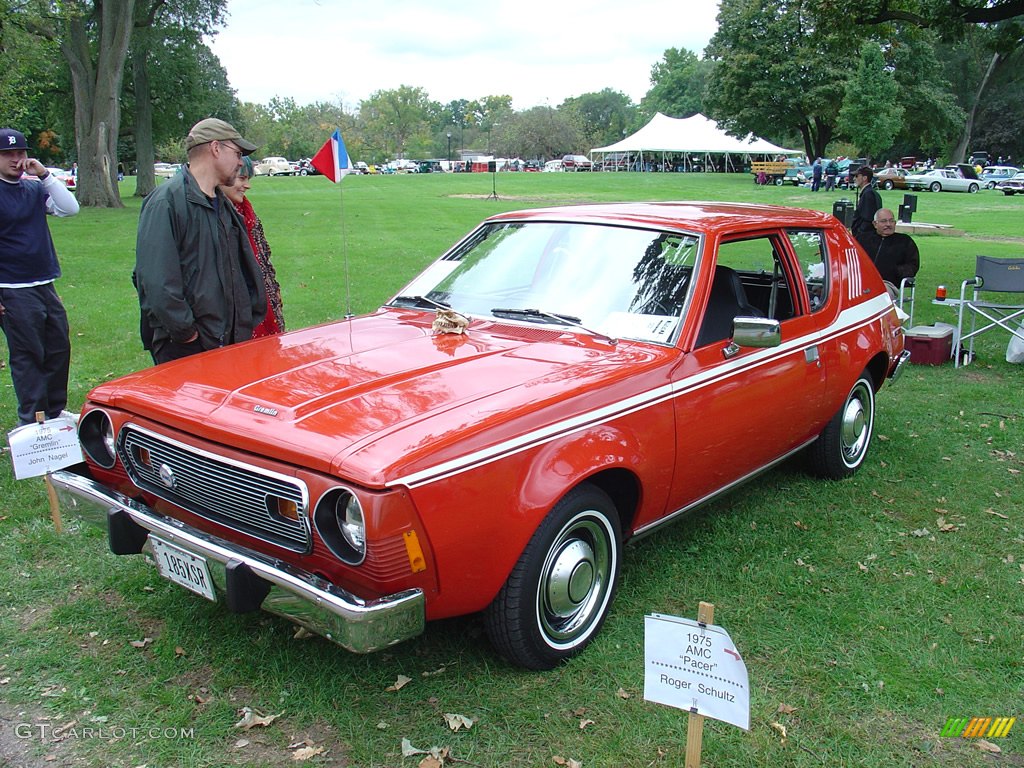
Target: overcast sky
<point>538,52</point>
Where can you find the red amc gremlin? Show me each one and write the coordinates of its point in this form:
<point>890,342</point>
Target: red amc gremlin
<point>561,381</point>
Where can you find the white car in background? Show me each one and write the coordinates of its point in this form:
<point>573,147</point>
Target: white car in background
<point>166,170</point>
<point>942,180</point>
<point>273,166</point>
<point>553,166</point>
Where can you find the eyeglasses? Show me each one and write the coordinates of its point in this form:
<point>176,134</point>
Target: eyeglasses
<point>233,148</point>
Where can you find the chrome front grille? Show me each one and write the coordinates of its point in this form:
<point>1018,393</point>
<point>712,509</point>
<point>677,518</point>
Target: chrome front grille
<point>234,494</point>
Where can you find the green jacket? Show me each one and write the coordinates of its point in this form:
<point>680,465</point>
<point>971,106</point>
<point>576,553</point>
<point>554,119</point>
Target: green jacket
<point>194,267</point>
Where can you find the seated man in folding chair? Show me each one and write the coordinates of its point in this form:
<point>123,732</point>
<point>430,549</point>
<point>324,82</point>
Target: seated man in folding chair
<point>894,253</point>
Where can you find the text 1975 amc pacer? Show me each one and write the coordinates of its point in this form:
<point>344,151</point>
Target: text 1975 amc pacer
<point>559,382</point>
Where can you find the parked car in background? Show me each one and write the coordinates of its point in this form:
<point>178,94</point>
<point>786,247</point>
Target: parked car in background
<point>273,166</point>
<point>553,166</point>
<point>304,167</point>
<point>1013,185</point>
<point>993,174</point>
<point>942,180</point>
<point>576,163</point>
<point>166,170</point>
<point>66,176</point>
<point>559,382</point>
<point>891,178</point>
<point>979,158</point>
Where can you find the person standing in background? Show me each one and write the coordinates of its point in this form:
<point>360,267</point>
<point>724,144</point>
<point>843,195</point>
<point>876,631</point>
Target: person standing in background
<point>32,315</point>
<point>236,193</point>
<point>198,281</point>
<point>868,203</point>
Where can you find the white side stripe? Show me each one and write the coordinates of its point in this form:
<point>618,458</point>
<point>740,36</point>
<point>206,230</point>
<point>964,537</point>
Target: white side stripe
<point>849,321</point>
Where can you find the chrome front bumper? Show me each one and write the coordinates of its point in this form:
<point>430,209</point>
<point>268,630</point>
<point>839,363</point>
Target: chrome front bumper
<point>245,579</point>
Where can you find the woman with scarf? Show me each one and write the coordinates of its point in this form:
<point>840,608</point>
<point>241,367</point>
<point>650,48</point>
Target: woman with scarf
<point>274,321</point>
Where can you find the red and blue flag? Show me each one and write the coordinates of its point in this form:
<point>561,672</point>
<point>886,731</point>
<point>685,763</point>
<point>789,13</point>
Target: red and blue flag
<point>332,159</point>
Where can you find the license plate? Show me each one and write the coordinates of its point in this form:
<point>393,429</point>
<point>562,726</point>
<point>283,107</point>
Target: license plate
<point>183,568</point>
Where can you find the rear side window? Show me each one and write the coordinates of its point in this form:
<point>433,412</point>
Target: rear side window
<point>809,246</point>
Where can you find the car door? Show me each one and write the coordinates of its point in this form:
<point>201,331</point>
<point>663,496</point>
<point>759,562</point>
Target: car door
<point>739,409</point>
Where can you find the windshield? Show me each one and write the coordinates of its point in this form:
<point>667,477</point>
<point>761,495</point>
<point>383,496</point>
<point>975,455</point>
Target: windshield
<point>618,281</point>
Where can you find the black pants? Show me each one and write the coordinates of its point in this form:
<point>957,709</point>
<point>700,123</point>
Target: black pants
<point>165,350</point>
<point>36,327</point>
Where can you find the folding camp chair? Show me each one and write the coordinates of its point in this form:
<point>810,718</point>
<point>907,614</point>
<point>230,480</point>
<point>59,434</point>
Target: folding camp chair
<point>907,298</point>
<point>990,276</point>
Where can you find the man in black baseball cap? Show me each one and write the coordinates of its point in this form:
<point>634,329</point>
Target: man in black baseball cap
<point>12,139</point>
<point>200,286</point>
<point>31,313</point>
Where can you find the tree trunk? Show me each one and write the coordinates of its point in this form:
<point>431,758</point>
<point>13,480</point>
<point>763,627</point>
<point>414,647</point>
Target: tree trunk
<point>96,85</point>
<point>145,178</point>
<point>960,153</point>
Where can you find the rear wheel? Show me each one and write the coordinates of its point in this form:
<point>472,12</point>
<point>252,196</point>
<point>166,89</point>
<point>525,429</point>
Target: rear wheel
<point>560,590</point>
<point>843,445</point>
<point>887,184</point>
<point>936,187</point>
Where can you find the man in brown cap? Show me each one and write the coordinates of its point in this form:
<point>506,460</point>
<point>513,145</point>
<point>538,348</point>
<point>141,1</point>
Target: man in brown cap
<point>200,286</point>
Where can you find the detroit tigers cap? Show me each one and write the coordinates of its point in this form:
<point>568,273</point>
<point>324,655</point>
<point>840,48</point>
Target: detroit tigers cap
<point>12,139</point>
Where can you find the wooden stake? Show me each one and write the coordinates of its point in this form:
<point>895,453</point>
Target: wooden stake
<point>695,726</point>
<point>51,492</point>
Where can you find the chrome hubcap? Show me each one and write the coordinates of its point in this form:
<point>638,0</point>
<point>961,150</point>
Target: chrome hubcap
<point>576,580</point>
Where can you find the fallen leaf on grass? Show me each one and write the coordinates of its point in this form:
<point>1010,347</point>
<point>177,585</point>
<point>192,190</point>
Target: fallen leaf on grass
<point>1000,515</point>
<point>251,718</point>
<point>306,753</point>
<point>584,723</point>
<point>179,651</point>
<point>457,722</point>
<point>944,526</point>
<point>622,694</point>
<point>799,524</point>
<point>781,729</point>
<point>567,762</point>
<point>141,643</point>
<point>921,533</point>
<point>399,683</point>
<point>241,743</point>
<point>987,746</point>
<point>303,634</point>
<point>785,709</point>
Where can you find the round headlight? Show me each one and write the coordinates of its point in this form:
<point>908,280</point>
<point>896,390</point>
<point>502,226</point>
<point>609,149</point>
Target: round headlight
<point>96,433</point>
<point>349,515</point>
<point>338,517</point>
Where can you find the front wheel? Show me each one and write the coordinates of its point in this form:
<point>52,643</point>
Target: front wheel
<point>560,590</point>
<point>843,445</point>
<point>972,188</point>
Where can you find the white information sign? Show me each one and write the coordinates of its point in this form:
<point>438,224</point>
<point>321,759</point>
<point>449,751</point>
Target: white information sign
<point>40,448</point>
<point>696,668</point>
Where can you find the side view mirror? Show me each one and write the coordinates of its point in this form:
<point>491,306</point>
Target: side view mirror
<point>756,332</point>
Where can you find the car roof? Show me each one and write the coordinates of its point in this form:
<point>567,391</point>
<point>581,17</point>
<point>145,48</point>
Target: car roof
<point>692,216</point>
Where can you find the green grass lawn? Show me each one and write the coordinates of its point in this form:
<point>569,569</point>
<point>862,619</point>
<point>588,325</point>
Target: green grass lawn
<point>868,611</point>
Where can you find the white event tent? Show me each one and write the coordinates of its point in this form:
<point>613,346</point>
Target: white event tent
<point>689,136</point>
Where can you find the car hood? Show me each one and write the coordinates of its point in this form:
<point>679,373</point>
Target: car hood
<point>382,397</point>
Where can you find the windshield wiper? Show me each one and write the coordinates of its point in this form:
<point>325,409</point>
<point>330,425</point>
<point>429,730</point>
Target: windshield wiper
<point>420,300</point>
<point>539,314</point>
